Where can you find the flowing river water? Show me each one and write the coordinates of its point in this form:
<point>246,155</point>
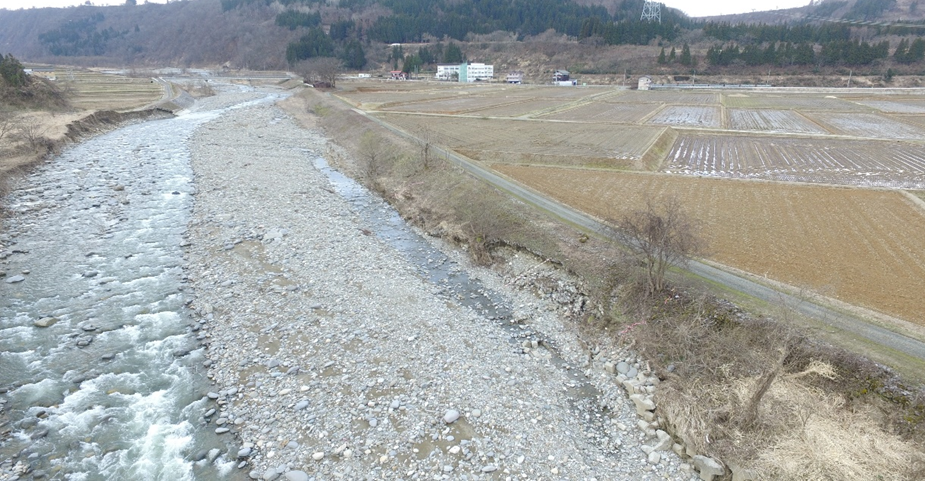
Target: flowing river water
<point>100,376</point>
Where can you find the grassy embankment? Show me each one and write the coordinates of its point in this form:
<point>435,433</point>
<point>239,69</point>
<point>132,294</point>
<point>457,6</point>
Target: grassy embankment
<point>750,391</point>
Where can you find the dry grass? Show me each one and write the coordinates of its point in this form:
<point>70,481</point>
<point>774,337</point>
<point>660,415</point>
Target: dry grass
<point>825,415</point>
<point>814,429</point>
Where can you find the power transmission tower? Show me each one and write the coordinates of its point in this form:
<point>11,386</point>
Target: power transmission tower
<point>652,11</point>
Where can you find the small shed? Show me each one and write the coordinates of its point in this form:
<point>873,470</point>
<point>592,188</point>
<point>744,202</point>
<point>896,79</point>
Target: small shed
<point>397,75</point>
<point>644,83</point>
<point>515,77</point>
<point>560,75</point>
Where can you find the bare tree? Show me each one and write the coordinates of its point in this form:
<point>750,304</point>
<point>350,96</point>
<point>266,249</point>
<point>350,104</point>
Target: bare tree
<point>33,133</point>
<point>320,70</point>
<point>8,121</point>
<point>374,154</point>
<point>660,236</point>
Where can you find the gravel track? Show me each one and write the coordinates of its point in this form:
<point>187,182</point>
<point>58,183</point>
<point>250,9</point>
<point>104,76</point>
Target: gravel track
<point>333,358</point>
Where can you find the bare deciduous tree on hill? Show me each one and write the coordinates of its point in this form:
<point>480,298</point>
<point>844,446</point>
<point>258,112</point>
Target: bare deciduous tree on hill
<point>660,236</point>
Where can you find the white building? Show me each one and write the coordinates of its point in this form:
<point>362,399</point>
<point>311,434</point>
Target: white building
<point>465,72</point>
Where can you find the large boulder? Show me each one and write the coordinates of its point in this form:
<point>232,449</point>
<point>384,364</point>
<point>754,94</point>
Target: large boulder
<point>709,468</point>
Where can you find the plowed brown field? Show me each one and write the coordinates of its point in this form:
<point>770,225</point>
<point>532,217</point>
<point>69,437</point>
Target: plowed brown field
<point>865,247</point>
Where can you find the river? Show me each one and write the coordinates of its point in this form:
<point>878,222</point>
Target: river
<point>101,374</point>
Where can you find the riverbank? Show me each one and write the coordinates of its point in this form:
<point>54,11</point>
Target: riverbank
<point>334,358</point>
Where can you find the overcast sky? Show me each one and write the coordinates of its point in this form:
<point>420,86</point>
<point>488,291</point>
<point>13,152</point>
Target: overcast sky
<point>694,8</point>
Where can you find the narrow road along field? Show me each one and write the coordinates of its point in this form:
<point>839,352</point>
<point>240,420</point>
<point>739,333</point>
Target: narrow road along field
<point>334,359</point>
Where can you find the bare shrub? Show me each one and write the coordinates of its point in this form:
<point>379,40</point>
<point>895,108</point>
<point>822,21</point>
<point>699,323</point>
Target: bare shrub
<point>8,122</point>
<point>374,154</point>
<point>33,133</point>
<point>660,236</point>
<point>486,225</point>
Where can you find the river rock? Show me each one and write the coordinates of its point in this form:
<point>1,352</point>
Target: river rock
<point>318,455</point>
<point>221,430</point>
<point>270,475</point>
<point>301,405</point>
<point>451,416</point>
<point>643,403</point>
<point>16,279</point>
<point>244,452</point>
<point>623,367</point>
<point>708,467</point>
<point>45,322</point>
<point>296,476</point>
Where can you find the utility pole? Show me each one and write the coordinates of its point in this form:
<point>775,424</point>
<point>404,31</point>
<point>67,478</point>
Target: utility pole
<point>850,72</point>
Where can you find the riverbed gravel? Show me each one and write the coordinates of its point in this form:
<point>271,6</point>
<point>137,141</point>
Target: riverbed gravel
<point>332,357</point>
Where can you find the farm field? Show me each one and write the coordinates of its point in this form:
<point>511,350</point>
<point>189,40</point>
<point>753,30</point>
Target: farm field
<point>604,112</point>
<point>97,91</point>
<point>667,97</point>
<point>868,125</point>
<point>912,106</point>
<point>521,107</point>
<point>595,148</point>
<point>789,159</point>
<point>860,246</point>
<point>530,141</point>
<point>456,105</point>
<point>817,102</point>
<point>771,120</point>
<point>686,116</point>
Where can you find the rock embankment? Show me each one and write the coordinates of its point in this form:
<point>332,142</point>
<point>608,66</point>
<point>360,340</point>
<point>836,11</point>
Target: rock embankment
<point>333,358</point>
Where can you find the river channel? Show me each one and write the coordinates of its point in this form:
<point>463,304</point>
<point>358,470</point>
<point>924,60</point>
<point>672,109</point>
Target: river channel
<point>100,375</point>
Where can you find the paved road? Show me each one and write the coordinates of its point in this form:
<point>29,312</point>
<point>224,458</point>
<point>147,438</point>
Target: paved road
<point>846,322</point>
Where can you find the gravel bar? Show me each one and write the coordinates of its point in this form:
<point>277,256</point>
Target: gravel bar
<point>333,358</point>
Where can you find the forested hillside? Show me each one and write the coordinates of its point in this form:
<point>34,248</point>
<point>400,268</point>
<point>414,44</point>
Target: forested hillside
<point>278,34</point>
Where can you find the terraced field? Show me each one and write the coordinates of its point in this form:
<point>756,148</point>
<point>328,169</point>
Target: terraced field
<point>858,245</point>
